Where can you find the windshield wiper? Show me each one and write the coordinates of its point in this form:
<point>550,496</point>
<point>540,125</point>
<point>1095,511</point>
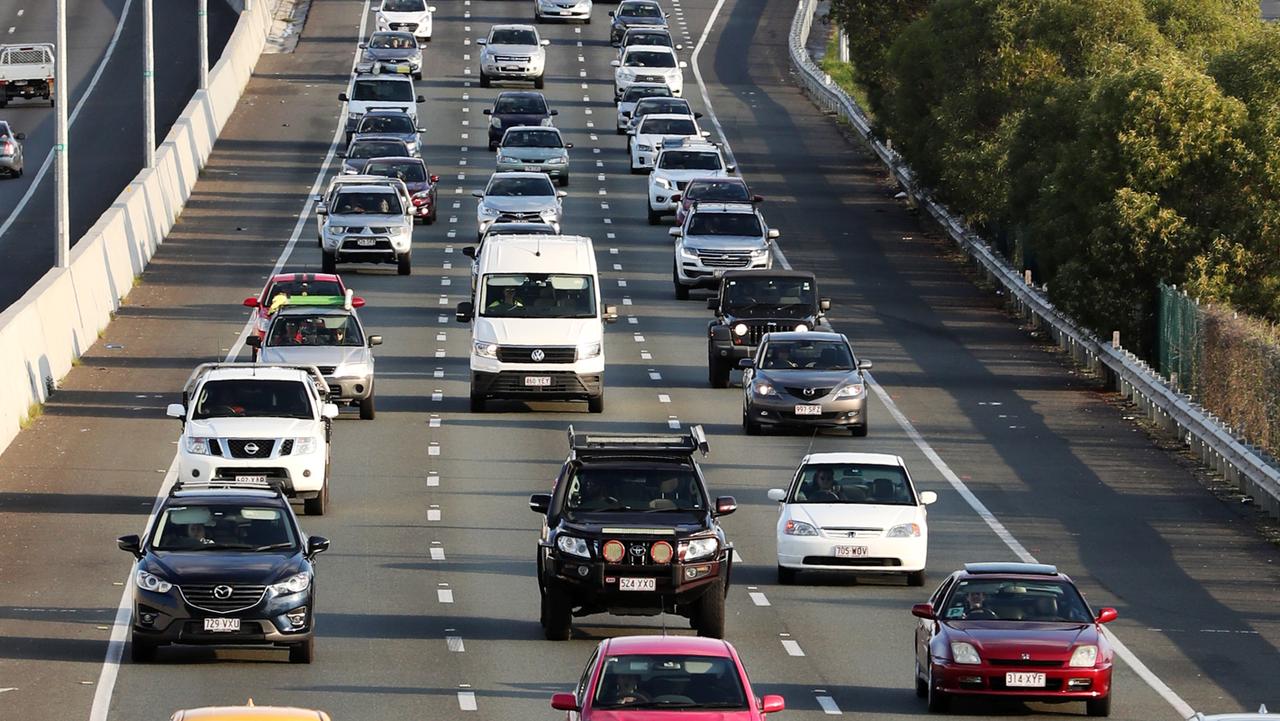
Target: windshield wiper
<point>274,546</point>
<point>214,547</point>
<point>673,509</point>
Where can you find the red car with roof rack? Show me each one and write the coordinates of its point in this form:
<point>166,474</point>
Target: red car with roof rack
<point>292,284</point>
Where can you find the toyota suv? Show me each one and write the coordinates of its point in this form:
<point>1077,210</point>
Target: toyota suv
<point>751,303</point>
<point>648,64</point>
<point>513,52</point>
<point>378,91</point>
<point>251,423</point>
<point>368,223</point>
<point>518,196</point>
<point>675,166</point>
<point>717,237</point>
<point>655,130</point>
<point>630,529</point>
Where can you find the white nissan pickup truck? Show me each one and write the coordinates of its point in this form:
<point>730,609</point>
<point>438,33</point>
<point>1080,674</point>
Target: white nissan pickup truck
<point>26,71</point>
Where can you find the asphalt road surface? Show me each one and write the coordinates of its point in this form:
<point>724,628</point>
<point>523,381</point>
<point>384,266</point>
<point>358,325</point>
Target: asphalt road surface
<point>105,140</point>
<point>427,604</point>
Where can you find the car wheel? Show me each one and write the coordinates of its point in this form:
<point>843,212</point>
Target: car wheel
<point>786,576</point>
<point>367,411</point>
<point>915,578</point>
<point>557,615</point>
<point>654,217</point>
<point>717,373</point>
<point>922,686</point>
<point>477,403</point>
<point>563,181</point>
<point>540,82</point>
<point>595,404</point>
<point>18,173</point>
<point>749,426</point>
<point>708,614</point>
<point>938,700</point>
<point>1098,706</point>
<point>303,652</point>
<point>860,431</point>
<point>318,505</point>
<point>484,80</point>
<point>140,650</point>
<point>404,264</point>
<point>328,262</point>
<point>417,76</point>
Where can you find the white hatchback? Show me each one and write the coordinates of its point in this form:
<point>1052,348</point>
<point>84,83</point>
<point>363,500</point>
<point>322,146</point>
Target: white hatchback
<point>852,512</point>
<point>411,16</point>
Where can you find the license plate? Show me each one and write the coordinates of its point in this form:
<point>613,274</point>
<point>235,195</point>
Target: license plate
<point>512,68</point>
<point>637,584</point>
<point>365,242</point>
<point>532,168</point>
<point>1024,680</point>
<point>807,410</point>
<point>537,381</point>
<point>222,625</point>
<point>19,82</point>
<point>851,551</point>
<point>251,479</point>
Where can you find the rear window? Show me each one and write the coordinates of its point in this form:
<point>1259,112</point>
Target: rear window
<point>298,287</point>
<point>635,94</point>
<point>689,160</point>
<point>402,169</point>
<point>726,191</point>
<point>399,124</point>
<point>376,149</point>
<point>668,126</point>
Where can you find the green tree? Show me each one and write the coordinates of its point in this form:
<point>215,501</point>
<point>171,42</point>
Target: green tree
<point>871,26</point>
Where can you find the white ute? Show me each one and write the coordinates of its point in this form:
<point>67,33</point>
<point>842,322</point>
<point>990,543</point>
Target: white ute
<point>26,71</point>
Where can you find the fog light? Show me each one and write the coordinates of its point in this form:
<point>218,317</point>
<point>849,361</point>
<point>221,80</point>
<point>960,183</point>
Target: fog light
<point>306,473</point>
<point>148,619</point>
<point>359,388</point>
<point>195,473</point>
<point>691,572</point>
<point>297,617</point>
<point>1079,683</point>
<point>583,571</point>
<point>971,679</point>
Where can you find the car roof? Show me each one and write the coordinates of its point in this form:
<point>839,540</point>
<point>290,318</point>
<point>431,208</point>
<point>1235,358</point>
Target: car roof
<point>805,335</point>
<point>731,208</point>
<point>675,645</point>
<point>397,159</point>
<point>521,94</point>
<point>365,187</point>
<point>653,48</point>
<point>1010,568</point>
<point>546,128</point>
<point>395,77</point>
<point>513,26</point>
<point>667,116</point>
<point>212,495</point>
<point>379,138</point>
<point>639,2</point>
<point>878,459</point>
<point>648,29</point>
<point>517,174</point>
<point>768,273</point>
<point>251,713</point>
<point>387,111</point>
<point>264,372</point>
<point>539,254</point>
<point>314,310</point>
<point>306,277</point>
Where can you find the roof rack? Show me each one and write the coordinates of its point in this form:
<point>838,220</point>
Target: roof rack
<point>204,369</point>
<point>344,301</point>
<point>274,484</point>
<point>640,443</point>
<point>1029,569</point>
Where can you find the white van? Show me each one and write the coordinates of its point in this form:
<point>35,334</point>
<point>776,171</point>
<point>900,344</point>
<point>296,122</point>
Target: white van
<point>537,325</point>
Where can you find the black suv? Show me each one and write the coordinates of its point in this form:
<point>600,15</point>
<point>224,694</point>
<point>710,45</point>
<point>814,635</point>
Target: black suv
<point>514,108</point>
<point>225,565</point>
<point>630,530</point>
<point>751,303</point>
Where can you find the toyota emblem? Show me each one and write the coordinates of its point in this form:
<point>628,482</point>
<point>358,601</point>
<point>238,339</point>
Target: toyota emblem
<point>251,449</point>
<point>537,355</point>
<point>222,593</point>
<point>637,550</point>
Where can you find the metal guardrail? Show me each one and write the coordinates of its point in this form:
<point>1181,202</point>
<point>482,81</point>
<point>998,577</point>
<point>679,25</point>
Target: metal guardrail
<point>1217,446</point>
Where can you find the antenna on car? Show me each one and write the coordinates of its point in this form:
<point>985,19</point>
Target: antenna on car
<point>538,252</point>
<point>812,437</point>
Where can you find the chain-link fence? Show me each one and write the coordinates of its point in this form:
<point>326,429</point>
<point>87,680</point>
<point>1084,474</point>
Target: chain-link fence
<point>1181,344</point>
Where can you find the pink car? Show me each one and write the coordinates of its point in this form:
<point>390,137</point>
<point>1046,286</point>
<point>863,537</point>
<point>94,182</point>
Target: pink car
<point>665,678</point>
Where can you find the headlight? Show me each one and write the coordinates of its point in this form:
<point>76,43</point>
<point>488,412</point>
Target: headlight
<point>662,183</point>
<point>488,212</point>
<point>589,350</point>
<point>549,214</point>
<point>799,528</point>
<point>573,546</point>
<point>486,350</point>
<point>686,252</point>
<point>853,390</point>
<point>904,530</point>
<point>337,229</point>
<point>303,446</point>
<point>149,582</point>
<point>1084,656</point>
<point>740,329</point>
<point>395,230</point>
<point>496,122</point>
<point>293,584</point>
<point>962,652</point>
<point>802,328</point>
<point>763,388</point>
<point>695,548</point>
<point>557,161</point>
<point>354,116</point>
<point>198,446</point>
<point>644,148</point>
<point>760,253</point>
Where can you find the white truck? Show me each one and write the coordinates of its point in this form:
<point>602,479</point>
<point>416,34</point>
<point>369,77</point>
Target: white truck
<point>26,71</point>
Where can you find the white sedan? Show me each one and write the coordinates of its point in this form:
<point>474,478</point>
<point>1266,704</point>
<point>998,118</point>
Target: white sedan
<point>855,513</point>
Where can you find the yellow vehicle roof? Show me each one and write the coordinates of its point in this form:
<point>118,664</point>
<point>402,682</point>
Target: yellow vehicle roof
<point>250,713</point>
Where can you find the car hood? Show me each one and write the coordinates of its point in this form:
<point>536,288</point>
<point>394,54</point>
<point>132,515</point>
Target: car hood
<point>530,50</point>
<point>797,314</point>
<point>251,428</point>
<point>517,204</point>
<point>594,524</point>
<point>410,16</point>
<point>511,120</point>
<point>393,53</point>
<point>179,567</point>
<point>1006,639</point>
<point>367,219</point>
<point>538,331</point>
<point>315,355</point>
<point>533,153</point>
<point>807,378</point>
<point>852,515</point>
<point>723,242</point>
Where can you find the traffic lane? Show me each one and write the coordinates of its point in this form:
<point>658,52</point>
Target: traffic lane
<point>106,140</point>
<point>1270,9</point>
<point>1043,446</point>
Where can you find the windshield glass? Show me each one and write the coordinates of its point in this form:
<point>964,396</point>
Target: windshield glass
<point>404,6</point>
<point>725,224</point>
<point>727,191</point>
<point>357,202</point>
<point>376,149</point>
<point>302,287</point>
<point>634,94</point>
<point>663,106</point>
<point>406,170</point>
<point>679,682</point>
<point>512,36</point>
<point>252,398</point>
<point>318,329</point>
<point>639,10</point>
<point>995,599</point>
<point>520,105</point>
<point>398,124</point>
<point>532,139</point>
<point>393,41</point>
<point>521,187</point>
<point>668,126</point>
<point>223,527</point>
<point>648,38</point>
<point>383,91</point>
<point>538,295</point>
<point>814,355</point>
<point>609,488</point>
<point>853,483</point>
<point>650,59</point>
<point>689,160</point>
<point>751,293</point>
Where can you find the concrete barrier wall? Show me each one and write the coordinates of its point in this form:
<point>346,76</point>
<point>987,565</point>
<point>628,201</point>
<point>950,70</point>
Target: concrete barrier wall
<point>61,315</point>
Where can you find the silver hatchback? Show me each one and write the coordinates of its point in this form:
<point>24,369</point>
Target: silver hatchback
<point>804,379</point>
<point>11,159</point>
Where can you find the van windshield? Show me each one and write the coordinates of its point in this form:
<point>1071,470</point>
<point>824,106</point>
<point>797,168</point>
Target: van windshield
<point>538,295</point>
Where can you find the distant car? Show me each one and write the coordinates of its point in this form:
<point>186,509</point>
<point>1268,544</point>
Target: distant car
<point>364,147</point>
<point>655,130</point>
<point>563,10</point>
<point>223,564</point>
<point>647,35</point>
<point>11,158</point>
<point>395,124</point>
<point>807,379</point>
<point>634,13</point>
<point>251,712</point>
<point>535,149</point>
<point>675,166</point>
<point>634,94</point>
<point>411,16</point>
<point>1012,630</point>
<point>852,513</point>
<point>648,64</point>
<point>513,52</point>
<point>658,105</point>
<point>391,51</point>
<point>516,107</point>
<point>520,197</point>
<point>713,190</point>
<point>658,677</point>
<point>283,286</point>
<point>368,223</point>
<point>369,91</point>
<point>420,182</point>
<point>719,237</point>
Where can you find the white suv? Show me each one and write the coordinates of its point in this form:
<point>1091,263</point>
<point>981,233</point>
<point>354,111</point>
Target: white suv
<point>717,237</point>
<point>676,165</point>
<point>245,422</point>
<point>513,52</point>
<point>372,91</point>
<point>656,130</point>
<point>648,64</point>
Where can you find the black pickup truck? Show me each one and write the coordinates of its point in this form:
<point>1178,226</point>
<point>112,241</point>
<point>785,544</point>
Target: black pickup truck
<point>754,302</point>
<point>629,529</point>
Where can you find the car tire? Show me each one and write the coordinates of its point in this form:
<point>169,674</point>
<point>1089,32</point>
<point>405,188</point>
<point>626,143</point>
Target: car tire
<point>557,615</point>
<point>367,410</point>
<point>1098,706</point>
<point>328,262</point>
<point>140,650</point>
<point>708,613</point>
<point>435,213</point>
<point>563,182</point>
<point>595,404</point>
<point>404,264</point>
<point>417,76</point>
<point>786,576</point>
<point>637,171</point>
<point>938,700</point>
<point>654,217</point>
<point>749,426</point>
<point>18,173</point>
<point>484,80</point>
<point>915,578</point>
<point>860,431</point>
<point>320,504</point>
<point>303,652</point>
<point>540,82</point>
<point>922,686</point>
<point>717,374</point>
<point>477,403</point>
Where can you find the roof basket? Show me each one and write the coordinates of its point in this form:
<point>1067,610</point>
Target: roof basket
<point>273,484</point>
<point>685,444</point>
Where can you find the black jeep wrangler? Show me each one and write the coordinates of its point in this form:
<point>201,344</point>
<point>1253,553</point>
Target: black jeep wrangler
<point>630,530</point>
<point>754,302</point>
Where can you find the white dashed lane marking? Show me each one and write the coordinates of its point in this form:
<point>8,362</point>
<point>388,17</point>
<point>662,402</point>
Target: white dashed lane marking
<point>444,595</point>
<point>793,648</point>
<point>828,705</point>
<point>673,423</point>
<point>433,513</point>
<point>455,643</point>
<point>437,553</point>
<point>433,479</point>
<point>467,700</point>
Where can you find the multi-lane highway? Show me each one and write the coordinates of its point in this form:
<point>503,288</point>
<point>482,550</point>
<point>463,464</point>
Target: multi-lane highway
<point>104,54</point>
<point>427,602</point>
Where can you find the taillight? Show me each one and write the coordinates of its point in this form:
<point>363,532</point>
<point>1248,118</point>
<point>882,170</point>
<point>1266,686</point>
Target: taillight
<point>7,148</point>
<point>661,552</point>
<point>614,551</point>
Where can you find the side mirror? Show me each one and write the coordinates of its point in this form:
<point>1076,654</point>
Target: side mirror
<point>375,340</point>
<point>706,133</point>
<point>610,314</point>
<point>674,232</point>
<point>540,503</point>
<point>477,193</point>
<point>923,610</point>
<point>431,8</point>
<point>564,702</point>
<point>679,46</point>
<point>130,544</point>
<point>1107,615</point>
<point>420,99</point>
<point>697,116</point>
<point>435,178</point>
<point>362,46</point>
<point>676,198</point>
<point>545,43</point>
<point>713,303</point>
<point>772,704</point>
<point>481,41</point>
<point>317,544</point>
<point>321,210</point>
<point>610,13</point>
<point>487,111</point>
<point>176,410</point>
<point>251,302</point>
<point>864,365</point>
<point>824,303</point>
<point>464,312</point>
<point>757,198</point>
<point>342,97</point>
<point>683,64</point>
<point>562,193</point>
<point>357,302</point>
<point>554,112</point>
<point>20,136</point>
<point>469,251</point>
<point>725,505</point>
<point>253,341</point>
<point>928,498</point>
<point>731,168</point>
<point>568,146</point>
<point>774,234</point>
<point>329,410</point>
<point>745,363</point>
<point>777,494</point>
<point>421,130</point>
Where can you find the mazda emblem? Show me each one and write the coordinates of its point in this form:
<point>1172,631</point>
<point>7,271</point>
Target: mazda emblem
<point>222,593</point>
<point>537,355</point>
<point>808,392</point>
<point>251,448</point>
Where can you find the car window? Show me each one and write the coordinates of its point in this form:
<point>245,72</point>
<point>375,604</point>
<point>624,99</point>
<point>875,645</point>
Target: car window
<point>675,682</point>
<point>1014,599</point>
<point>668,126</point>
<point>301,287</point>
<point>376,149</point>
<point>521,187</point>
<point>648,39</point>
<point>635,94</point>
<point>538,295</point>
<point>609,489</point>
<point>393,41</point>
<point>404,6</point>
<point>724,224</point>
<point>649,59</point>
<point>662,106</point>
<point>408,171</point>
<point>747,293</point>
<point>385,91</point>
<point>399,124</point>
<point>867,483</point>
<point>639,10</point>
<point>224,526</point>
<point>520,105</point>
<point>365,202</point>
<point>585,679</point>
<point>532,139</point>
<point>513,36</point>
<point>319,329</point>
<point>252,398</point>
<point>728,191</point>
<point>689,160</point>
<point>936,599</point>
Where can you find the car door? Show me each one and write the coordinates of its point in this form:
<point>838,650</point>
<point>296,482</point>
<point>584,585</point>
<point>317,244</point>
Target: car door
<point>926,628</point>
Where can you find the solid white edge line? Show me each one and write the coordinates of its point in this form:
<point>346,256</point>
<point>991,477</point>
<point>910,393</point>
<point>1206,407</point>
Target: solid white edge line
<point>120,626</point>
<point>71,120</point>
<point>702,87</point>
